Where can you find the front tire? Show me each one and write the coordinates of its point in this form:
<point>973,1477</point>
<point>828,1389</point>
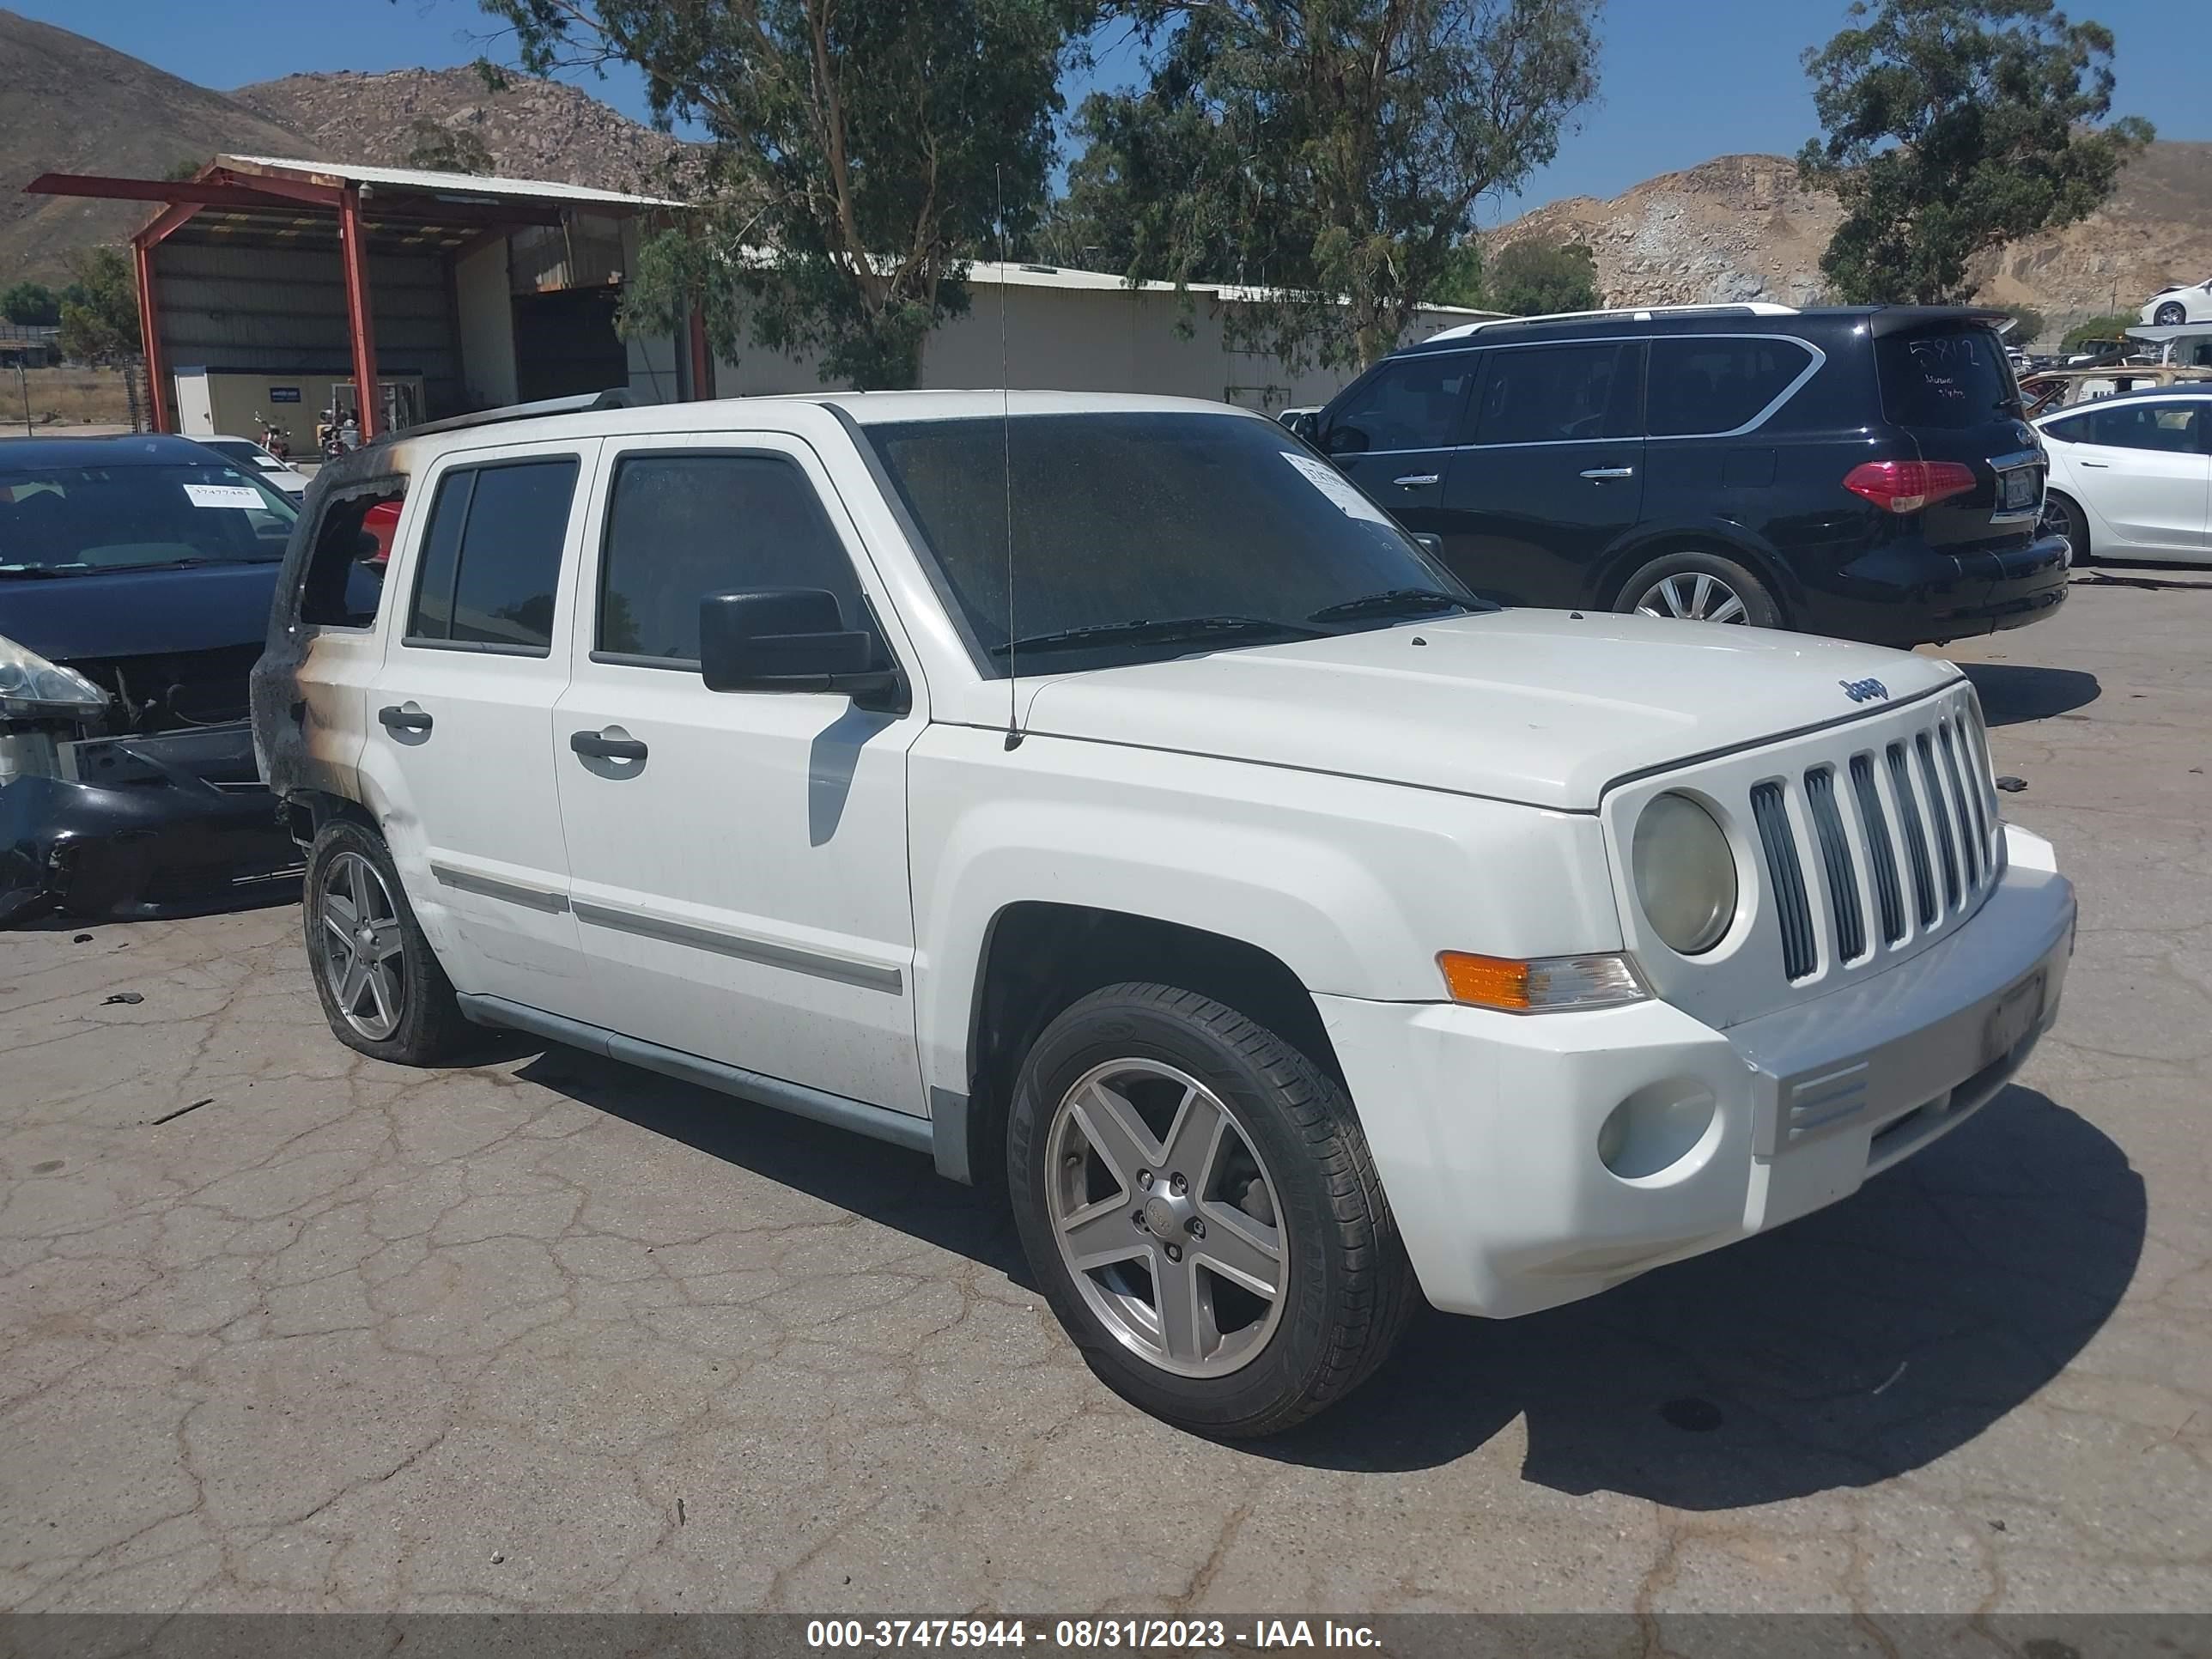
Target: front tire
<point>380,984</point>
<point>2170,314</point>
<point>1198,1200</point>
<point>1694,587</point>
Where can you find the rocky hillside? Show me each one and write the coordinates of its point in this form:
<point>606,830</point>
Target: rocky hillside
<point>533,129</point>
<point>72,105</point>
<point>1738,228</point>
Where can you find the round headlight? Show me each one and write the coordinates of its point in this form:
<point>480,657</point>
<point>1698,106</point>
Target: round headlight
<point>1684,874</point>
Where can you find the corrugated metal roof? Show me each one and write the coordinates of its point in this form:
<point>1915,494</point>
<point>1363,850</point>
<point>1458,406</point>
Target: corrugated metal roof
<point>459,184</point>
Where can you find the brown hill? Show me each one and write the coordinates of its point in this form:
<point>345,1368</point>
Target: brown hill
<point>1738,228</point>
<point>73,106</point>
<point>533,129</point>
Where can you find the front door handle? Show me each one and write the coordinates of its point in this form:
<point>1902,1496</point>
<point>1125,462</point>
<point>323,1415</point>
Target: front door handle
<point>596,746</point>
<point>397,717</point>
<point>1601,474</point>
<point>1415,480</point>
<point>2100,466</point>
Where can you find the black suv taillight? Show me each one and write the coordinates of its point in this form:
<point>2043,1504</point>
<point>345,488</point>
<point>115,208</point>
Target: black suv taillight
<point>1908,486</point>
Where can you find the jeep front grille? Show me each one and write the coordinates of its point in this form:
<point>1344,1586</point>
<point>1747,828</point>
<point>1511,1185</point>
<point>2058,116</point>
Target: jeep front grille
<point>1829,871</point>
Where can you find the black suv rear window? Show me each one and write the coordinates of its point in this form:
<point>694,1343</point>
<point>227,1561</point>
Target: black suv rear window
<point>1944,377</point>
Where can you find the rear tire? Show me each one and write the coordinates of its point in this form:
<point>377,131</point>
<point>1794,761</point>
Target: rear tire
<point>1696,587</point>
<point>381,986</point>
<point>2063,514</point>
<point>1251,1173</point>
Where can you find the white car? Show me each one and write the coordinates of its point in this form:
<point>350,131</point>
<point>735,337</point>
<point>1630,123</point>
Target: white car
<point>271,469</point>
<point>1102,796</point>
<point>2131,476</point>
<point>2178,304</point>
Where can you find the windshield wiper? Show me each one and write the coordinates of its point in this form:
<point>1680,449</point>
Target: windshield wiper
<point>1391,602</point>
<point>42,572</point>
<point>1165,629</point>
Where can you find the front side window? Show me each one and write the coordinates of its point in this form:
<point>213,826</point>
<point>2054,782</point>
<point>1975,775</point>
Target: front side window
<point>1558,394</point>
<point>680,527</point>
<point>72,520</point>
<point>1411,403</point>
<point>1140,536</point>
<point>491,556</point>
<point>1704,385</point>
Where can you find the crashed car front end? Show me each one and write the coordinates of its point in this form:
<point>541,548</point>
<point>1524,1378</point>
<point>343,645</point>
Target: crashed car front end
<point>117,802</point>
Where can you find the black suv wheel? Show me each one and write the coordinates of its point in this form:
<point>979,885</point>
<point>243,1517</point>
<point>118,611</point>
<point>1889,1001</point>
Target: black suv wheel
<point>1700,587</point>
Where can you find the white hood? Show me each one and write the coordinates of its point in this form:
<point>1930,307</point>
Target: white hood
<point>1532,706</point>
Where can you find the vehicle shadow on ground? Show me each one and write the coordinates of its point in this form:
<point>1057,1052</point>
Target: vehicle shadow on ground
<point>2013,692</point>
<point>1863,1341</point>
<point>1859,1343</point>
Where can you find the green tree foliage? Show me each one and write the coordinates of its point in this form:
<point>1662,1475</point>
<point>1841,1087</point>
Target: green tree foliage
<point>31,305</point>
<point>100,308</point>
<point>862,149</point>
<point>433,145</point>
<point>1529,278</point>
<point>1954,126</point>
<point>2114,327</point>
<point>189,167</point>
<point>1329,151</point>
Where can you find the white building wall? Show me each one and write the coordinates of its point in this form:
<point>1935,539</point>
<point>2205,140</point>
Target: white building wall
<point>1107,337</point>
<point>487,325</point>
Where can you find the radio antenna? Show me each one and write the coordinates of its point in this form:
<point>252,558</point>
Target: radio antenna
<point>1006,448</point>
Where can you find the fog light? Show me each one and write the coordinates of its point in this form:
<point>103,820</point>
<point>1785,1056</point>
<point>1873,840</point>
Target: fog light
<point>1656,1127</point>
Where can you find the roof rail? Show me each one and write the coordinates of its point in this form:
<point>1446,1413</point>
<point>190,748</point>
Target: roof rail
<point>581,404</point>
<point>1638,313</point>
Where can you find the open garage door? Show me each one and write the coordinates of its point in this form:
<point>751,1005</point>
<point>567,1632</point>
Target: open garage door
<point>565,344</point>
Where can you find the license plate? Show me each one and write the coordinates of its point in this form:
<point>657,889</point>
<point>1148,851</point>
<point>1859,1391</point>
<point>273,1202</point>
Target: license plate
<point>2016,489</point>
<point>2011,1019</point>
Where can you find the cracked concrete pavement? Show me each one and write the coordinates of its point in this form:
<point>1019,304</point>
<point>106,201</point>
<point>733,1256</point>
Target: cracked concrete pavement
<point>549,1334</point>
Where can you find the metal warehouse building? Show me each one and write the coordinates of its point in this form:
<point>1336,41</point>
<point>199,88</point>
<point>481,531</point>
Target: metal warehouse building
<point>274,288</point>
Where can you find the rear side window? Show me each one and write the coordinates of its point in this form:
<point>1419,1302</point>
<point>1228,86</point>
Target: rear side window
<point>1947,377</point>
<point>344,581</point>
<point>680,527</point>
<point>1411,403</point>
<point>491,556</point>
<point>1702,386</point>
<point>1558,394</point>
<point>2176,428</point>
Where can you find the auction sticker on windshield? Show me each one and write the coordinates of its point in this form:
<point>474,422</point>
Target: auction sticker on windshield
<point>1339,488</point>
<point>225,496</point>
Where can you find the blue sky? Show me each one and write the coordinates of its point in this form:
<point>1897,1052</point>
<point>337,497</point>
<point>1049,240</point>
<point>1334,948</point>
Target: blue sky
<point>1679,82</point>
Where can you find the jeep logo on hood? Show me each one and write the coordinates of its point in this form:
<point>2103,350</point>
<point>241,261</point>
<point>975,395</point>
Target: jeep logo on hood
<point>1865,691</point>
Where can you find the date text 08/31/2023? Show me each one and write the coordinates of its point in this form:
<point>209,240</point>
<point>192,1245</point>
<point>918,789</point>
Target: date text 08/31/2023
<point>1086,1635</point>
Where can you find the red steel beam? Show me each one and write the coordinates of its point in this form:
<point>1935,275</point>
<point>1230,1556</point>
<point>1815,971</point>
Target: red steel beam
<point>200,192</point>
<point>360,327</point>
<point>158,391</point>
<point>172,219</point>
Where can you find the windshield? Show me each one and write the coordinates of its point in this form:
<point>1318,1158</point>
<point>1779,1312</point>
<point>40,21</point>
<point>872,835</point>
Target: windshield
<point>1142,535</point>
<point>73,520</point>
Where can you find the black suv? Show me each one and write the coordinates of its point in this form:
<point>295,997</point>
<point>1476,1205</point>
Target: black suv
<point>1862,472</point>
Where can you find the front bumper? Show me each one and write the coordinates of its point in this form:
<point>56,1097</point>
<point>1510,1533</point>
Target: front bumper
<point>1485,1126</point>
<point>142,827</point>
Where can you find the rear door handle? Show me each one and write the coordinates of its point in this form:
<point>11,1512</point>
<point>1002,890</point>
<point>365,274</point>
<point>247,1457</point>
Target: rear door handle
<point>1415,480</point>
<point>1600,474</point>
<point>397,717</point>
<point>598,746</point>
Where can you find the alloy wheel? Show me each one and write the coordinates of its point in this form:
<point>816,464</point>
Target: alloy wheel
<point>1693,596</point>
<point>359,946</point>
<point>1166,1217</point>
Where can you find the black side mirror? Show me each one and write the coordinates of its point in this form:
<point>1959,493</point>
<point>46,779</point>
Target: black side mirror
<point>1307,424</point>
<point>788,639</point>
<point>1343,440</point>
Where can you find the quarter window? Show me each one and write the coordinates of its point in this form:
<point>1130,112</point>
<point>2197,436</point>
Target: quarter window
<point>491,556</point>
<point>1705,386</point>
<point>1558,394</point>
<point>1413,403</point>
<point>344,578</point>
<point>683,527</point>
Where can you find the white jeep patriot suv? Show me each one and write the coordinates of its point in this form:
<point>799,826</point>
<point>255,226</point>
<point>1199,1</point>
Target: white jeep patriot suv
<point>1097,793</point>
